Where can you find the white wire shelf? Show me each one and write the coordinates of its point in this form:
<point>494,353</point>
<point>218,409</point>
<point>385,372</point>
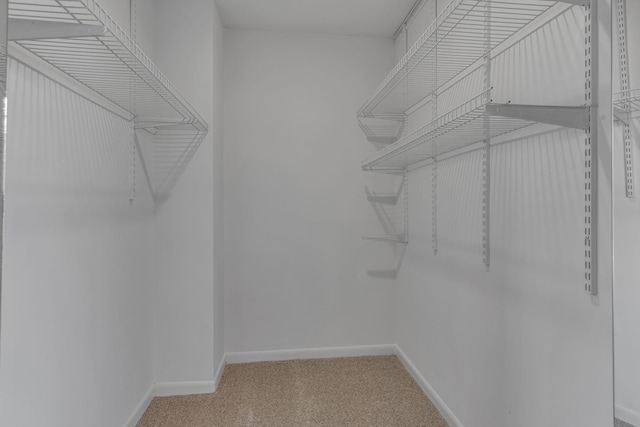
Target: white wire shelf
<point>80,39</point>
<point>455,40</point>
<point>628,101</point>
<point>464,126</point>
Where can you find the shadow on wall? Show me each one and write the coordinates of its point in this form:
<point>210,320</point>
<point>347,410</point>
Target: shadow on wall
<point>389,209</point>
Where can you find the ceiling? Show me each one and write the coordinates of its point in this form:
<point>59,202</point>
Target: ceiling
<point>346,17</point>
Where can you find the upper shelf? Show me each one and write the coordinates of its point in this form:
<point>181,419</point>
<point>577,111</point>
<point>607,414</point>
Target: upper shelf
<point>464,126</point>
<point>79,38</point>
<point>455,40</point>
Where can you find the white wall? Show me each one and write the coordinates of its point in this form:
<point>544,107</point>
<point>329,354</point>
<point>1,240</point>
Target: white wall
<point>295,207</point>
<point>83,318</point>
<point>521,345</point>
<point>627,235</point>
<point>77,314</point>
<point>188,41</point>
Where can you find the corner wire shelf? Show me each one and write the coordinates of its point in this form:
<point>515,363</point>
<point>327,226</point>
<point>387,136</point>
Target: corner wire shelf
<point>458,33</point>
<point>80,39</point>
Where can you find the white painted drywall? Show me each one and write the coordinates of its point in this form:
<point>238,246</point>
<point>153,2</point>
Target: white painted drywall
<point>185,296</point>
<point>521,345</point>
<point>77,314</point>
<point>295,206</point>
<point>626,246</point>
<point>378,18</point>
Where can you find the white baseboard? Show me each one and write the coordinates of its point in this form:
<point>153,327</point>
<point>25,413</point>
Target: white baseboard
<point>447,413</point>
<point>184,388</point>
<point>142,406</point>
<point>311,353</point>
<point>216,379</point>
<point>627,415</point>
<point>171,389</point>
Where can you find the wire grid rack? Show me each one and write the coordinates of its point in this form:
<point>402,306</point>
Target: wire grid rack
<point>627,101</point>
<point>456,129</point>
<point>113,66</point>
<point>458,33</point>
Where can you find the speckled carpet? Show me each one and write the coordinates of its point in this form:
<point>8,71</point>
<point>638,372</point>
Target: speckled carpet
<point>359,391</point>
<point>620,423</point>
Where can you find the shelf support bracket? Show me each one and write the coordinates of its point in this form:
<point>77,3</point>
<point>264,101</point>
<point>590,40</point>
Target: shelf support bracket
<point>30,29</point>
<point>621,115</point>
<point>571,117</point>
<point>486,152</point>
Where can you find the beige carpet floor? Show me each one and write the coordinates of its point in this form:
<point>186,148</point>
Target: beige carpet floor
<point>359,391</point>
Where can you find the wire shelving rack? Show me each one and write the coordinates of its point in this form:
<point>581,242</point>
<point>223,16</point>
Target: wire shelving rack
<point>464,36</point>
<point>79,38</point>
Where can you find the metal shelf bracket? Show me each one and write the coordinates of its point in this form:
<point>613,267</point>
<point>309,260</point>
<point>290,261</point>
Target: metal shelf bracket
<point>30,29</point>
<point>567,116</point>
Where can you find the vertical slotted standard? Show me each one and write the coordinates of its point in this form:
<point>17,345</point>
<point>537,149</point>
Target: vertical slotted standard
<point>434,205</point>
<point>590,154</point>
<point>405,180</point>
<point>624,88</point>
<point>434,116</point>
<point>4,5</point>
<point>405,201</point>
<point>486,152</point>
<point>133,140</point>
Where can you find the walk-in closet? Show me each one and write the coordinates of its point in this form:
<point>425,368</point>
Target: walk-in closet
<point>275,213</point>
